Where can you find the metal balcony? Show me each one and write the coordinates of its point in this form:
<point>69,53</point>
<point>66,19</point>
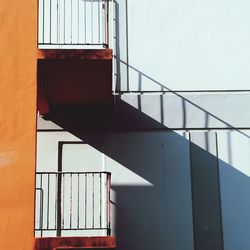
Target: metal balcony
<point>73,24</point>
<point>72,204</point>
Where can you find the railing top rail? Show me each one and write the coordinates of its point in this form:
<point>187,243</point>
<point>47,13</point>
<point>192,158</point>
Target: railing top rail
<point>68,172</point>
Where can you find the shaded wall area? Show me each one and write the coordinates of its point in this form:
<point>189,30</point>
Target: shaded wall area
<point>158,197</point>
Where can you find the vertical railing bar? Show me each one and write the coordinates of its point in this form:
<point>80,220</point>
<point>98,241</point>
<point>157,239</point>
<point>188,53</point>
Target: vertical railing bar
<point>50,22</point>
<point>43,19</point>
<point>100,200</point>
<point>64,25</point>
<point>85,21</point>
<point>108,202</point>
<point>99,22</point>
<point>93,201</point>
<point>56,191</point>
<point>70,215</point>
<point>41,213</point>
<point>78,201</point>
<point>92,22</point>
<point>63,199</point>
<point>58,14</point>
<point>86,179</point>
<point>48,179</point>
<point>104,21</point>
<point>78,19</point>
<point>71,34</point>
<point>59,204</point>
<point>107,20</point>
<point>41,185</point>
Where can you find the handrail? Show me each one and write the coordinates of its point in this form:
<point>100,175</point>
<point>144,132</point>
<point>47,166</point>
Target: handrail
<point>41,210</point>
<point>72,23</point>
<point>72,201</point>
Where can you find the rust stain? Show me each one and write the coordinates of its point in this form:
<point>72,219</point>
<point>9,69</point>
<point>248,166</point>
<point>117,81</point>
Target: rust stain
<point>61,243</point>
<point>75,54</point>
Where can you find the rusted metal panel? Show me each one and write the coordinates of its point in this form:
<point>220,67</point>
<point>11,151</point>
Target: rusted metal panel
<point>53,243</point>
<point>105,54</point>
<point>74,83</point>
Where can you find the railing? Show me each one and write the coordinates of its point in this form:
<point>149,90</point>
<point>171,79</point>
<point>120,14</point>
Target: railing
<point>73,23</point>
<point>72,203</point>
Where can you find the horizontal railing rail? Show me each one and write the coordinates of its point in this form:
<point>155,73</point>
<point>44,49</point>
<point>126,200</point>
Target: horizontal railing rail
<point>72,201</point>
<point>72,23</point>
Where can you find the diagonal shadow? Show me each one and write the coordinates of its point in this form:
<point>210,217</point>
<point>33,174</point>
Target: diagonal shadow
<point>151,211</point>
<point>168,210</point>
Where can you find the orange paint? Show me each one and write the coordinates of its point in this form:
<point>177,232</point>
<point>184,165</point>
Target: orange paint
<point>18,122</point>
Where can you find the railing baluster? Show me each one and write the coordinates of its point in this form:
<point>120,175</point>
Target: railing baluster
<point>92,200</point>
<point>70,215</point>
<point>78,200</point>
<point>56,191</point>
<point>86,185</point>
<point>43,19</point>
<point>41,185</point>
<point>100,200</point>
<point>50,22</point>
<point>85,21</point>
<point>41,213</point>
<point>58,22</point>
<point>63,200</point>
<point>48,179</point>
<point>92,22</point>
<point>69,23</point>
<point>108,203</point>
<point>64,23</point>
<point>78,21</point>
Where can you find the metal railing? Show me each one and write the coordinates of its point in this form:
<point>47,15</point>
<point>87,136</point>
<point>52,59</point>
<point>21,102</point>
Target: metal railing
<point>73,23</point>
<point>72,201</point>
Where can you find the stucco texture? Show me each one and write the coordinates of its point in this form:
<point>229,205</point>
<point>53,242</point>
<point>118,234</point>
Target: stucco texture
<point>17,122</point>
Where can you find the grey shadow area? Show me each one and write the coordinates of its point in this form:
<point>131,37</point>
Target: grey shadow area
<point>188,198</point>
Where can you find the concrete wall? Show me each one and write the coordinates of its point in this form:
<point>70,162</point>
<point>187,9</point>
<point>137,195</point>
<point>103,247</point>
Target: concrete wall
<point>180,45</point>
<point>167,185</point>
<point>18,123</point>
<point>177,140</point>
<point>151,190</point>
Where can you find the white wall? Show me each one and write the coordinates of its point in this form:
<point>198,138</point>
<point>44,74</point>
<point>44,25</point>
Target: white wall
<point>151,190</point>
<point>184,45</point>
<point>168,46</point>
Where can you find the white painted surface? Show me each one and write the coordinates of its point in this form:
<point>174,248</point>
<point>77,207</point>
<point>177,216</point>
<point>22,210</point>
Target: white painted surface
<point>151,190</point>
<point>81,158</point>
<point>186,45</point>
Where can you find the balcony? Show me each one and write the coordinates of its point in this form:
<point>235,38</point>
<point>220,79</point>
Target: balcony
<point>73,24</point>
<point>72,204</point>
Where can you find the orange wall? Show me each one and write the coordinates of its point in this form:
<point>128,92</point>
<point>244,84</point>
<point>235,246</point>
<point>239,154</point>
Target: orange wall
<point>17,122</point>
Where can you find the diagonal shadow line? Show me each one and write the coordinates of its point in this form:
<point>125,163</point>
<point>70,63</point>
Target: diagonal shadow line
<point>163,87</point>
<point>124,118</point>
<point>79,123</point>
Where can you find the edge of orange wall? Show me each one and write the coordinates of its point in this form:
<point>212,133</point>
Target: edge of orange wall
<point>18,22</point>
